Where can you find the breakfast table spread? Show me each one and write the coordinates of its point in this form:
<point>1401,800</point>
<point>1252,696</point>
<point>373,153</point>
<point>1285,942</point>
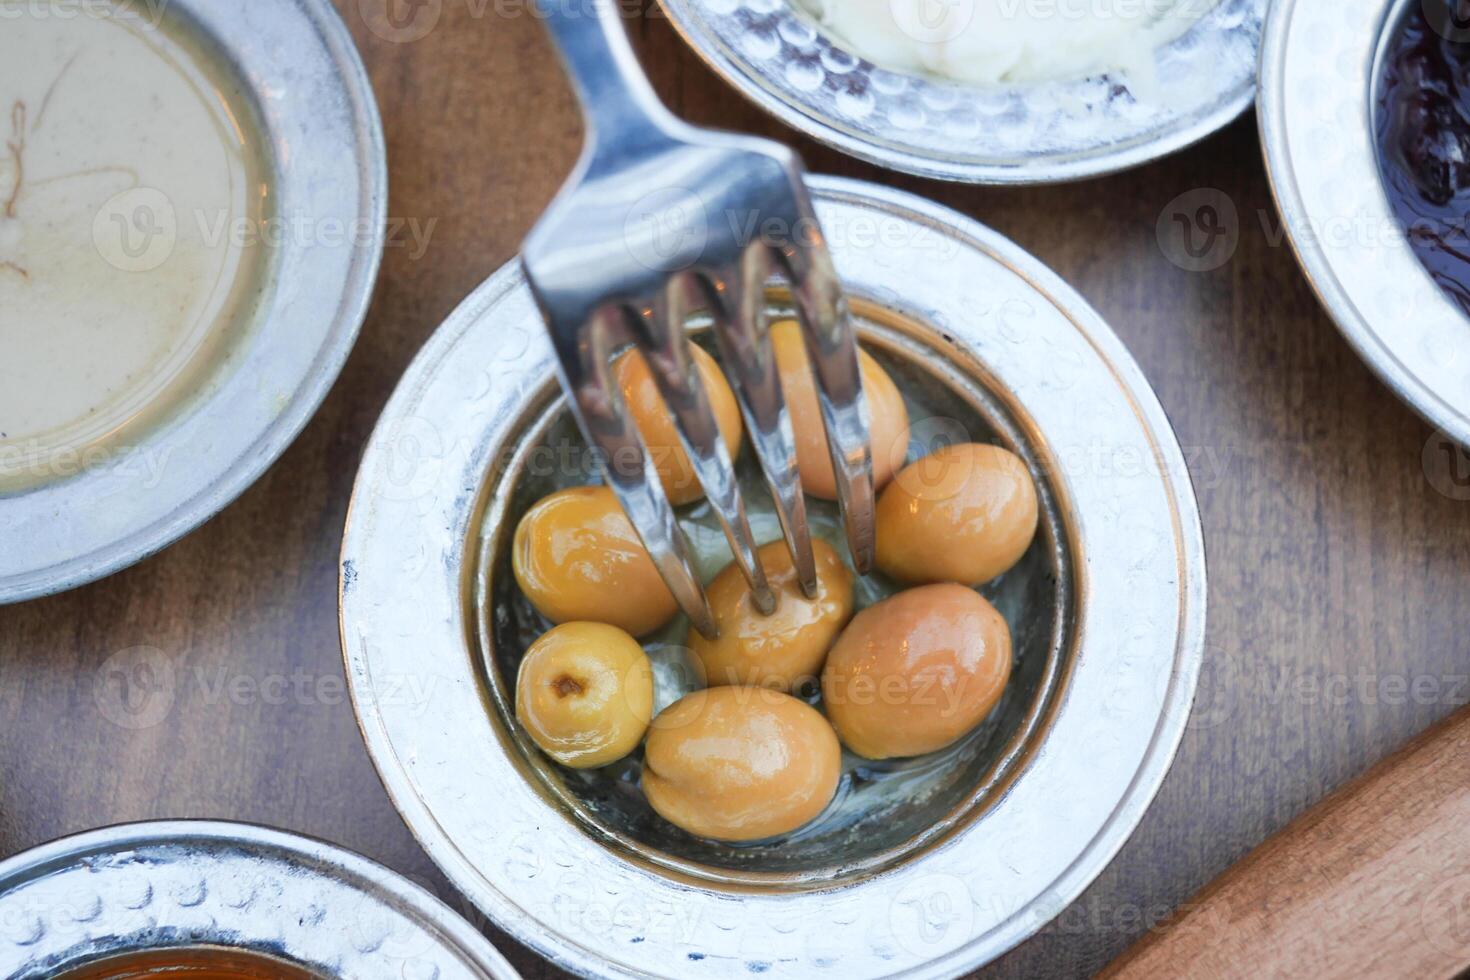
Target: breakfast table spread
<point>207,681</point>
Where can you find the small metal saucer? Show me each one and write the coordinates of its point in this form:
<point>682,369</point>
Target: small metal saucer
<point>776,56</point>
<point>1108,610</point>
<point>190,885</point>
<point>296,66</point>
<point>1319,63</point>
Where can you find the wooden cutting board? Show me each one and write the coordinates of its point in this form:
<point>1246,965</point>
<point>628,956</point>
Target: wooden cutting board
<point>1372,882</point>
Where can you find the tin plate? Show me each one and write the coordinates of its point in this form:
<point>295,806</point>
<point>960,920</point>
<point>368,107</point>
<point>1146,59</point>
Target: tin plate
<point>1318,68</point>
<point>187,883</point>
<point>457,768</point>
<point>296,64</point>
<point>776,56</point>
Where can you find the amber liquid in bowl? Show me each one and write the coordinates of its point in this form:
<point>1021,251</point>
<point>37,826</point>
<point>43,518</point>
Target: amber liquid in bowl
<point>189,963</point>
<point>134,207</point>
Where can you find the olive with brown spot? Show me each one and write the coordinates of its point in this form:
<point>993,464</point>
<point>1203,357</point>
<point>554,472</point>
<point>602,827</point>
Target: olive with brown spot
<point>584,692</point>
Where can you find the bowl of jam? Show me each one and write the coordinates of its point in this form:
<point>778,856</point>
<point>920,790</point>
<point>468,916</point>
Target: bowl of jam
<point>1421,114</point>
<point>1365,121</point>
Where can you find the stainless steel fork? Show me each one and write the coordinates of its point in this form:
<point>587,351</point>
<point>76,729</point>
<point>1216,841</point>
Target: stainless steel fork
<point>658,219</point>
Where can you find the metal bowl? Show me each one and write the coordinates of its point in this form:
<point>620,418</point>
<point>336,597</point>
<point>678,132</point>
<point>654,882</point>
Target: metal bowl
<point>1319,65</point>
<point>954,859</point>
<point>296,66</point>
<point>776,56</point>
<point>192,885</point>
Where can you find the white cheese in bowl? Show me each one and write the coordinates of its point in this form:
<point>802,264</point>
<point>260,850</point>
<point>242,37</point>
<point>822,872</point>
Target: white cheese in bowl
<point>1007,41</point>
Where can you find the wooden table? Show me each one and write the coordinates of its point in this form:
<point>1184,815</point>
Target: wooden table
<point>1337,569</point>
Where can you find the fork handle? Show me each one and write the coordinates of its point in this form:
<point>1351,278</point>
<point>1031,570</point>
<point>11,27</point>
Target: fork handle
<point>619,105</point>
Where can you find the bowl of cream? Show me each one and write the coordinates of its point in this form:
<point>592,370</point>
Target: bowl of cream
<point>988,91</point>
<point>191,218</point>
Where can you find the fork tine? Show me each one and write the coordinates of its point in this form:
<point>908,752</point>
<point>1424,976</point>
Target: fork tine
<point>666,349</point>
<point>832,349</point>
<point>597,405</point>
<point>737,296</point>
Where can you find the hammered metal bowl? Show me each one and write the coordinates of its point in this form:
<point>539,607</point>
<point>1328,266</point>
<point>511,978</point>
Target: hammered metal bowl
<point>191,885</point>
<point>774,54</point>
<point>300,75</point>
<point>922,868</point>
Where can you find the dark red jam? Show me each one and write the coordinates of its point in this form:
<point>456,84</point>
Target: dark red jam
<point>1422,119</point>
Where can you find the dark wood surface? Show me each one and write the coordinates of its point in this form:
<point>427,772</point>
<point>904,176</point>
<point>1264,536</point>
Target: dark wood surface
<point>1392,841</point>
<point>1338,570</point>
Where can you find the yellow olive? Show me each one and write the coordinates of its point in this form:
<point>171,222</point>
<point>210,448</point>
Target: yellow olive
<point>740,763</point>
<point>915,672</point>
<point>646,405</point>
<point>962,514</point>
<point>577,557</point>
<point>788,646</point>
<point>888,419</point>
<point>585,693</point>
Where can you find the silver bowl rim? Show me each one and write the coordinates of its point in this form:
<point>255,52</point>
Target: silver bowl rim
<point>1377,292</point>
<point>1172,134</point>
<point>36,561</point>
<point>414,745</point>
<point>213,849</point>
